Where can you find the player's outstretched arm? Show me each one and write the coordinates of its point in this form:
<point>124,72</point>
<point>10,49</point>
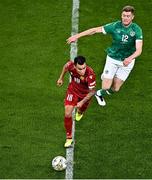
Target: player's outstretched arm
<point>84,33</point>
<point>60,80</point>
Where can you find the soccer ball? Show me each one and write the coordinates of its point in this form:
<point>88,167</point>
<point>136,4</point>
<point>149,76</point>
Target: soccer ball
<point>59,163</point>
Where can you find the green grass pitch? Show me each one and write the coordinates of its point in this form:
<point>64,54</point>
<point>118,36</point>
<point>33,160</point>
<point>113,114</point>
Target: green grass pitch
<point>111,142</point>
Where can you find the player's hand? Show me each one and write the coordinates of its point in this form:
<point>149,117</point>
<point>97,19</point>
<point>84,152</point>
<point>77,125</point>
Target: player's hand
<point>59,82</point>
<point>127,61</point>
<point>79,104</point>
<point>72,39</point>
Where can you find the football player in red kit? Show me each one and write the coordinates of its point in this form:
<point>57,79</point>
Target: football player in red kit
<point>79,92</point>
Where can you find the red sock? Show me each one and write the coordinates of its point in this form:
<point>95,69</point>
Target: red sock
<point>68,126</point>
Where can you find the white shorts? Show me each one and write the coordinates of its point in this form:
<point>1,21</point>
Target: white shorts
<point>114,68</point>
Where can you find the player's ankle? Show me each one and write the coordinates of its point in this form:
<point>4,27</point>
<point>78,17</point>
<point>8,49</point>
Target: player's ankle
<point>98,92</point>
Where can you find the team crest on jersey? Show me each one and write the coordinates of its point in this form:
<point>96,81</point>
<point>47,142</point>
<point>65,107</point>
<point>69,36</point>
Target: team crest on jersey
<point>82,77</point>
<point>132,33</point>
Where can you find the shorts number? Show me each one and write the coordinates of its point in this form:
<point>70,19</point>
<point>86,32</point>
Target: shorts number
<point>69,97</point>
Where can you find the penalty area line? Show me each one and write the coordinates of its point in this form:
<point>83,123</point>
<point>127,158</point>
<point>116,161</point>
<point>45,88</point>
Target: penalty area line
<point>73,54</point>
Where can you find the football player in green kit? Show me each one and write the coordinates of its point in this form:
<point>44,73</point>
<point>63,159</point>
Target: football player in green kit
<point>127,42</point>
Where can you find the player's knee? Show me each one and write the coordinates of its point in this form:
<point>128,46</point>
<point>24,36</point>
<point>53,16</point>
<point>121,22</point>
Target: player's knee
<point>105,87</point>
<point>106,84</point>
<point>116,89</point>
<point>68,114</point>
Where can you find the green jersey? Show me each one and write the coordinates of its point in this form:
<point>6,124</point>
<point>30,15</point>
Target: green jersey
<point>124,39</point>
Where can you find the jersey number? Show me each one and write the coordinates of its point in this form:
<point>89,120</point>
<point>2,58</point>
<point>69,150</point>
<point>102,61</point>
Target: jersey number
<point>124,38</point>
<point>77,80</point>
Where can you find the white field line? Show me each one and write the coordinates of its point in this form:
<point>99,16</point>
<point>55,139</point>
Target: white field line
<point>73,54</point>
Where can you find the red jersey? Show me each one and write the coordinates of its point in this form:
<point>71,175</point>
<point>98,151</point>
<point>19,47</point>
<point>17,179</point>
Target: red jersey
<point>81,85</point>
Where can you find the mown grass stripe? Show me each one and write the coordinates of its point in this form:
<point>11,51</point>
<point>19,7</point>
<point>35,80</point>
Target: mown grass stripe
<point>73,53</point>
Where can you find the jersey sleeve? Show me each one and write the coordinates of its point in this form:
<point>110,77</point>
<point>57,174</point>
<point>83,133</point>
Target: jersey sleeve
<point>108,28</point>
<point>69,65</point>
<point>92,81</point>
<point>139,34</point>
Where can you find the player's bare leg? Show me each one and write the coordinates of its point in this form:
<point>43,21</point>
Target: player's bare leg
<point>106,83</point>
<point>117,83</point>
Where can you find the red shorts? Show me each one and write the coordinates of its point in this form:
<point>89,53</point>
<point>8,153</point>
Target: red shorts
<point>72,99</point>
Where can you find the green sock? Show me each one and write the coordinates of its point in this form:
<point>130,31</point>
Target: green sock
<point>110,91</point>
<point>104,92</point>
